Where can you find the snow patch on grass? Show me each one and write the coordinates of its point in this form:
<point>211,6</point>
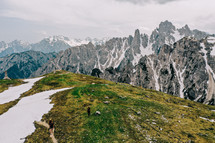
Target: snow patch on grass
<point>18,122</point>
<point>212,120</point>
<point>14,93</point>
<point>184,106</point>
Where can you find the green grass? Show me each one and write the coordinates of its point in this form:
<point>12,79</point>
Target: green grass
<point>133,114</point>
<point>62,79</point>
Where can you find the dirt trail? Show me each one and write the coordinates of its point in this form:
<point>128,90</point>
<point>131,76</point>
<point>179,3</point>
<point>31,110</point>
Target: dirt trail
<point>54,140</point>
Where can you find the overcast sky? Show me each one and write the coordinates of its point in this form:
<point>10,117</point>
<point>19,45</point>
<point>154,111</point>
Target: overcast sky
<point>32,20</point>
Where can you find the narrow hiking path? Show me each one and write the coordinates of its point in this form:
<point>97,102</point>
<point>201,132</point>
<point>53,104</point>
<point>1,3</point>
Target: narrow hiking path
<point>13,93</point>
<point>54,140</point>
<point>18,122</point>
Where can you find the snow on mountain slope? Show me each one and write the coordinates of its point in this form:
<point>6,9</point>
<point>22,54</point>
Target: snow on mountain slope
<point>211,40</point>
<point>14,93</point>
<point>71,42</point>
<point>180,79</point>
<point>3,46</point>
<point>143,52</point>
<point>213,51</point>
<point>18,122</point>
<point>177,36</point>
<point>113,56</point>
<point>76,42</point>
<point>121,54</point>
<point>47,45</point>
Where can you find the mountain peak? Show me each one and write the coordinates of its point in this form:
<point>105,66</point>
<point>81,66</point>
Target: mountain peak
<point>186,27</point>
<point>137,33</point>
<point>136,40</point>
<point>57,38</point>
<point>90,45</point>
<point>185,31</point>
<point>166,26</point>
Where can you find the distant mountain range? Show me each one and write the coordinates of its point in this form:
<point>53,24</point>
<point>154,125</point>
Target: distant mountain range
<point>177,61</point>
<point>47,45</point>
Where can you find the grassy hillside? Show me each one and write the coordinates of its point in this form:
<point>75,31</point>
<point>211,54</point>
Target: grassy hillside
<point>128,114</point>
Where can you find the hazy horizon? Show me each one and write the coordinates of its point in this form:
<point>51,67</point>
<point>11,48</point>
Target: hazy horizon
<point>31,21</point>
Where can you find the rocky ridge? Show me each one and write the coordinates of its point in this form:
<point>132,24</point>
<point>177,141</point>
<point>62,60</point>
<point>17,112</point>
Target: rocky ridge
<point>22,65</point>
<point>185,69</point>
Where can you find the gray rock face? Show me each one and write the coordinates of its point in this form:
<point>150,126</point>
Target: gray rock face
<point>185,69</point>
<point>167,33</point>
<point>80,59</point>
<point>22,65</point>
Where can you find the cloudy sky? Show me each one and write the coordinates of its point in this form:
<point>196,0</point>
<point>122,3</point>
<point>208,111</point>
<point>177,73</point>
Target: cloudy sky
<point>32,20</point>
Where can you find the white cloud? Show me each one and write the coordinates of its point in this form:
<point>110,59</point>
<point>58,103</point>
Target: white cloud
<point>147,1</point>
<point>100,18</point>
